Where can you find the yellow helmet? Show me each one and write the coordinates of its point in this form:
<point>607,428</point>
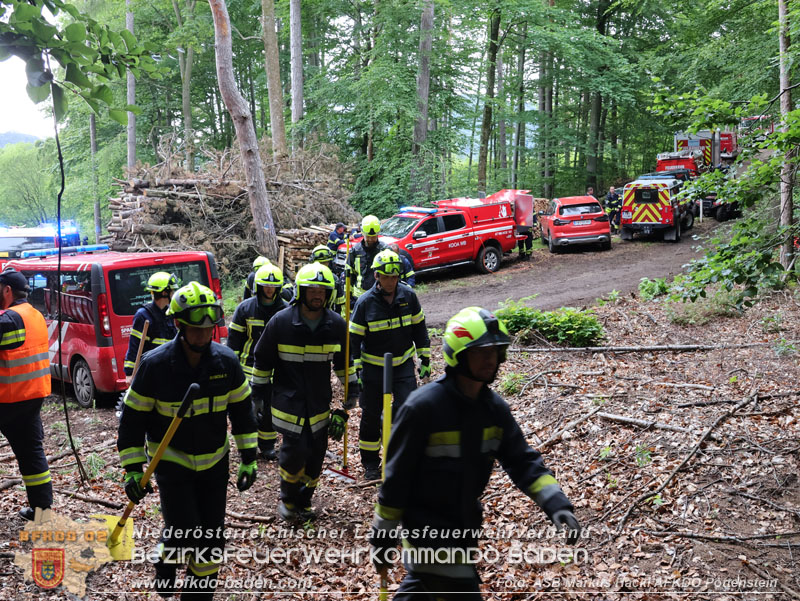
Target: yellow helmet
<point>268,275</point>
<point>371,225</point>
<point>196,305</point>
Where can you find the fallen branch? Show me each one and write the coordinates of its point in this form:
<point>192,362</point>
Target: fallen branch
<point>637,349</point>
<point>253,518</point>
<point>651,493</point>
<point>9,483</point>
<point>89,499</point>
<point>642,423</point>
<point>766,576</point>
<point>719,537</point>
<point>678,385</point>
<point>556,437</point>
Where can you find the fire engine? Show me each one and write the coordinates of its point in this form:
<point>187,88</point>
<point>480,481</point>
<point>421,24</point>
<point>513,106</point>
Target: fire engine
<point>652,205</point>
<point>459,231</point>
<point>699,152</point>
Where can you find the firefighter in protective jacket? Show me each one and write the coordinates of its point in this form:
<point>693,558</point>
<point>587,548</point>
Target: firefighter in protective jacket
<point>386,319</point>
<point>192,475</point>
<point>441,453</point>
<point>295,352</point>
<point>161,285</point>
<point>362,256</point>
<point>249,321</point>
<point>24,382</point>
<point>324,255</point>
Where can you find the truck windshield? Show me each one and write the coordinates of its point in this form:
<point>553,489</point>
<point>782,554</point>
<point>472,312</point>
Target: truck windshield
<point>398,226</point>
<point>127,285</point>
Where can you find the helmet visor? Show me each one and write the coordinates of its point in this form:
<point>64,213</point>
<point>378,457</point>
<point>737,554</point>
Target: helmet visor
<point>202,316</point>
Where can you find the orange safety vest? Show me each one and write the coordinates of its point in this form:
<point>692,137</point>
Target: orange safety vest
<point>25,370</point>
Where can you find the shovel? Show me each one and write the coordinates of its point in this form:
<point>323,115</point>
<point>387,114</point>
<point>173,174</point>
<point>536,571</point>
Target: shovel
<point>121,547</point>
<point>343,474</point>
<point>383,594</point>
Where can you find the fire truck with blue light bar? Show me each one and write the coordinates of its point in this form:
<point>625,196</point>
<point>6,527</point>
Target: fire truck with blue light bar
<point>459,231</point>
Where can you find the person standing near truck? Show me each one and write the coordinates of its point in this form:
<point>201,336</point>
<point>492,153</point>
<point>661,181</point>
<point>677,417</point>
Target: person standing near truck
<point>362,255</point>
<point>161,285</point>
<point>386,319</point>
<point>249,320</point>
<point>613,206</point>
<point>441,453</point>
<point>24,382</point>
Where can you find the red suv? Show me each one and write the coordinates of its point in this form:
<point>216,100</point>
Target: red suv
<point>574,220</point>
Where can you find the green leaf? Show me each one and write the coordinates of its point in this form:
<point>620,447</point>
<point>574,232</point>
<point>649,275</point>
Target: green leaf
<point>25,12</point>
<point>37,76</point>
<point>38,93</point>
<point>76,76</point>
<point>119,116</point>
<point>130,39</point>
<point>133,109</point>
<point>103,93</point>
<point>75,32</point>
<point>59,102</point>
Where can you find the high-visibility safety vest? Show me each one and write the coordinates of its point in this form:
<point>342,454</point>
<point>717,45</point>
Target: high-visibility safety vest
<point>25,370</point>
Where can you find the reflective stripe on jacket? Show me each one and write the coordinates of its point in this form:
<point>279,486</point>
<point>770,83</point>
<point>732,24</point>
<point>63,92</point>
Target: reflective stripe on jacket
<point>160,331</point>
<point>249,321</point>
<point>25,369</point>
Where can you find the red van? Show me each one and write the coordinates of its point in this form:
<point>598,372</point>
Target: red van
<point>99,292</point>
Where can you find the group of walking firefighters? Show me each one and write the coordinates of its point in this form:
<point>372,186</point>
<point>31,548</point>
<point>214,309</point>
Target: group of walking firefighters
<point>274,376</point>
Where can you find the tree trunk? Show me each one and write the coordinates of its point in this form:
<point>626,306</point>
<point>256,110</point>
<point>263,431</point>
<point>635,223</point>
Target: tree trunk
<point>296,59</point>
<point>475,120</point>
<point>591,149</point>
<point>501,122</point>
<point>185,64</point>
<point>420,180</point>
<point>519,135</point>
<point>95,195</point>
<point>787,213</point>
<point>131,98</point>
<point>550,143</point>
<point>266,236</point>
<point>273,69</point>
<point>486,125</point>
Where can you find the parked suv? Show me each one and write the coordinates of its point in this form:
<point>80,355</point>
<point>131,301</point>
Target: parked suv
<point>573,221</point>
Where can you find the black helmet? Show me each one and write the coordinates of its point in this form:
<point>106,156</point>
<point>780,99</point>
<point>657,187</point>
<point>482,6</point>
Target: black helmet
<point>17,281</point>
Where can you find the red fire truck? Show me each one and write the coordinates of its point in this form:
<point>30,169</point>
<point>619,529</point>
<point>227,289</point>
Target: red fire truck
<point>652,205</point>
<point>459,231</point>
<point>98,293</point>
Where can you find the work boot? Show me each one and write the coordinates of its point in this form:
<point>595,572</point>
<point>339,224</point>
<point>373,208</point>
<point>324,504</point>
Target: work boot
<point>268,452</point>
<point>307,514</point>
<point>28,513</point>
<point>165,579</point>
<point>287,512</point>
<point>372,471</point>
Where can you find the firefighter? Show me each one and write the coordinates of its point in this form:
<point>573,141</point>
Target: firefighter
<point>259,261</point>
<point>386,319</point>
<point>161,285</point>
<point>24,382</point>
<point>249,320</point>
<point>441,454</point>
<point>296,351</point>
<point>322,254</point>
<point>408,276</point>
<point>362,255</point>
<point>336,237</point>
<point>613,207</point>
<point>192,475</point>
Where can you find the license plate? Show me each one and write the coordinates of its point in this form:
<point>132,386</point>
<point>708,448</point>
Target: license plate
<point>647,229</point>
<point>627,214</point>
<point>582,222</point>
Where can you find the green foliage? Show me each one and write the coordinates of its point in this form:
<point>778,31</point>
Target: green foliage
<point>606,453</point>
<point>564,326</point>
<point>718,303</point>
<point>642,456</point>
<point>772,324</point>
<point>610,299</point>
<point>784,348</point>
<point>94,464</point>
<point>650,289</point>
<point>511,384</point>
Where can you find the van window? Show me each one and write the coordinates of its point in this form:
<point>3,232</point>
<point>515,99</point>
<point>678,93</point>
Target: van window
<point>646,195</point>
<point>127,285</point>
<point>583,209</point>
<point>38,296</point>
<point>76,297</point>
<point>453,222</point>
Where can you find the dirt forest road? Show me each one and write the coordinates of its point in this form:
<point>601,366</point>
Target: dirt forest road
<point>573,278</point>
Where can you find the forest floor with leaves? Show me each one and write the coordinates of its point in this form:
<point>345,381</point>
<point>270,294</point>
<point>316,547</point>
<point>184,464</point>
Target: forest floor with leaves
<point>699,499</point>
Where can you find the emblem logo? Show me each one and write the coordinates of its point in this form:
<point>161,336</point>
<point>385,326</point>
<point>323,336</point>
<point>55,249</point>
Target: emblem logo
<point>48,567</point>
<point>462,332</point>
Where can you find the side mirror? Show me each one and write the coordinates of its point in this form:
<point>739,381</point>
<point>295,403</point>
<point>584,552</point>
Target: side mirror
<point>419,235</point>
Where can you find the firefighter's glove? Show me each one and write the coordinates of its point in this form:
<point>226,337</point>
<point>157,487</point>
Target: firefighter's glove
<point>246,476</point>
<point>133,486</point>
<point>382,547</point>
<point>564,519</point>
<point>338,422</point>
<point>424,368</point>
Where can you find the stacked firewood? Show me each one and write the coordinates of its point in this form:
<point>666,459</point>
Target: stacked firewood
<point>164,209</point>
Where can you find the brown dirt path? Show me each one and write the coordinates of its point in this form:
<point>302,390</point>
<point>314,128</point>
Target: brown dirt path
<point>575,277</point>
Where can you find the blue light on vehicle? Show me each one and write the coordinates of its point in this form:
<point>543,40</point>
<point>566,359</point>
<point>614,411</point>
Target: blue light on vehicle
<point>26,254</point>
<point>417,210</point>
